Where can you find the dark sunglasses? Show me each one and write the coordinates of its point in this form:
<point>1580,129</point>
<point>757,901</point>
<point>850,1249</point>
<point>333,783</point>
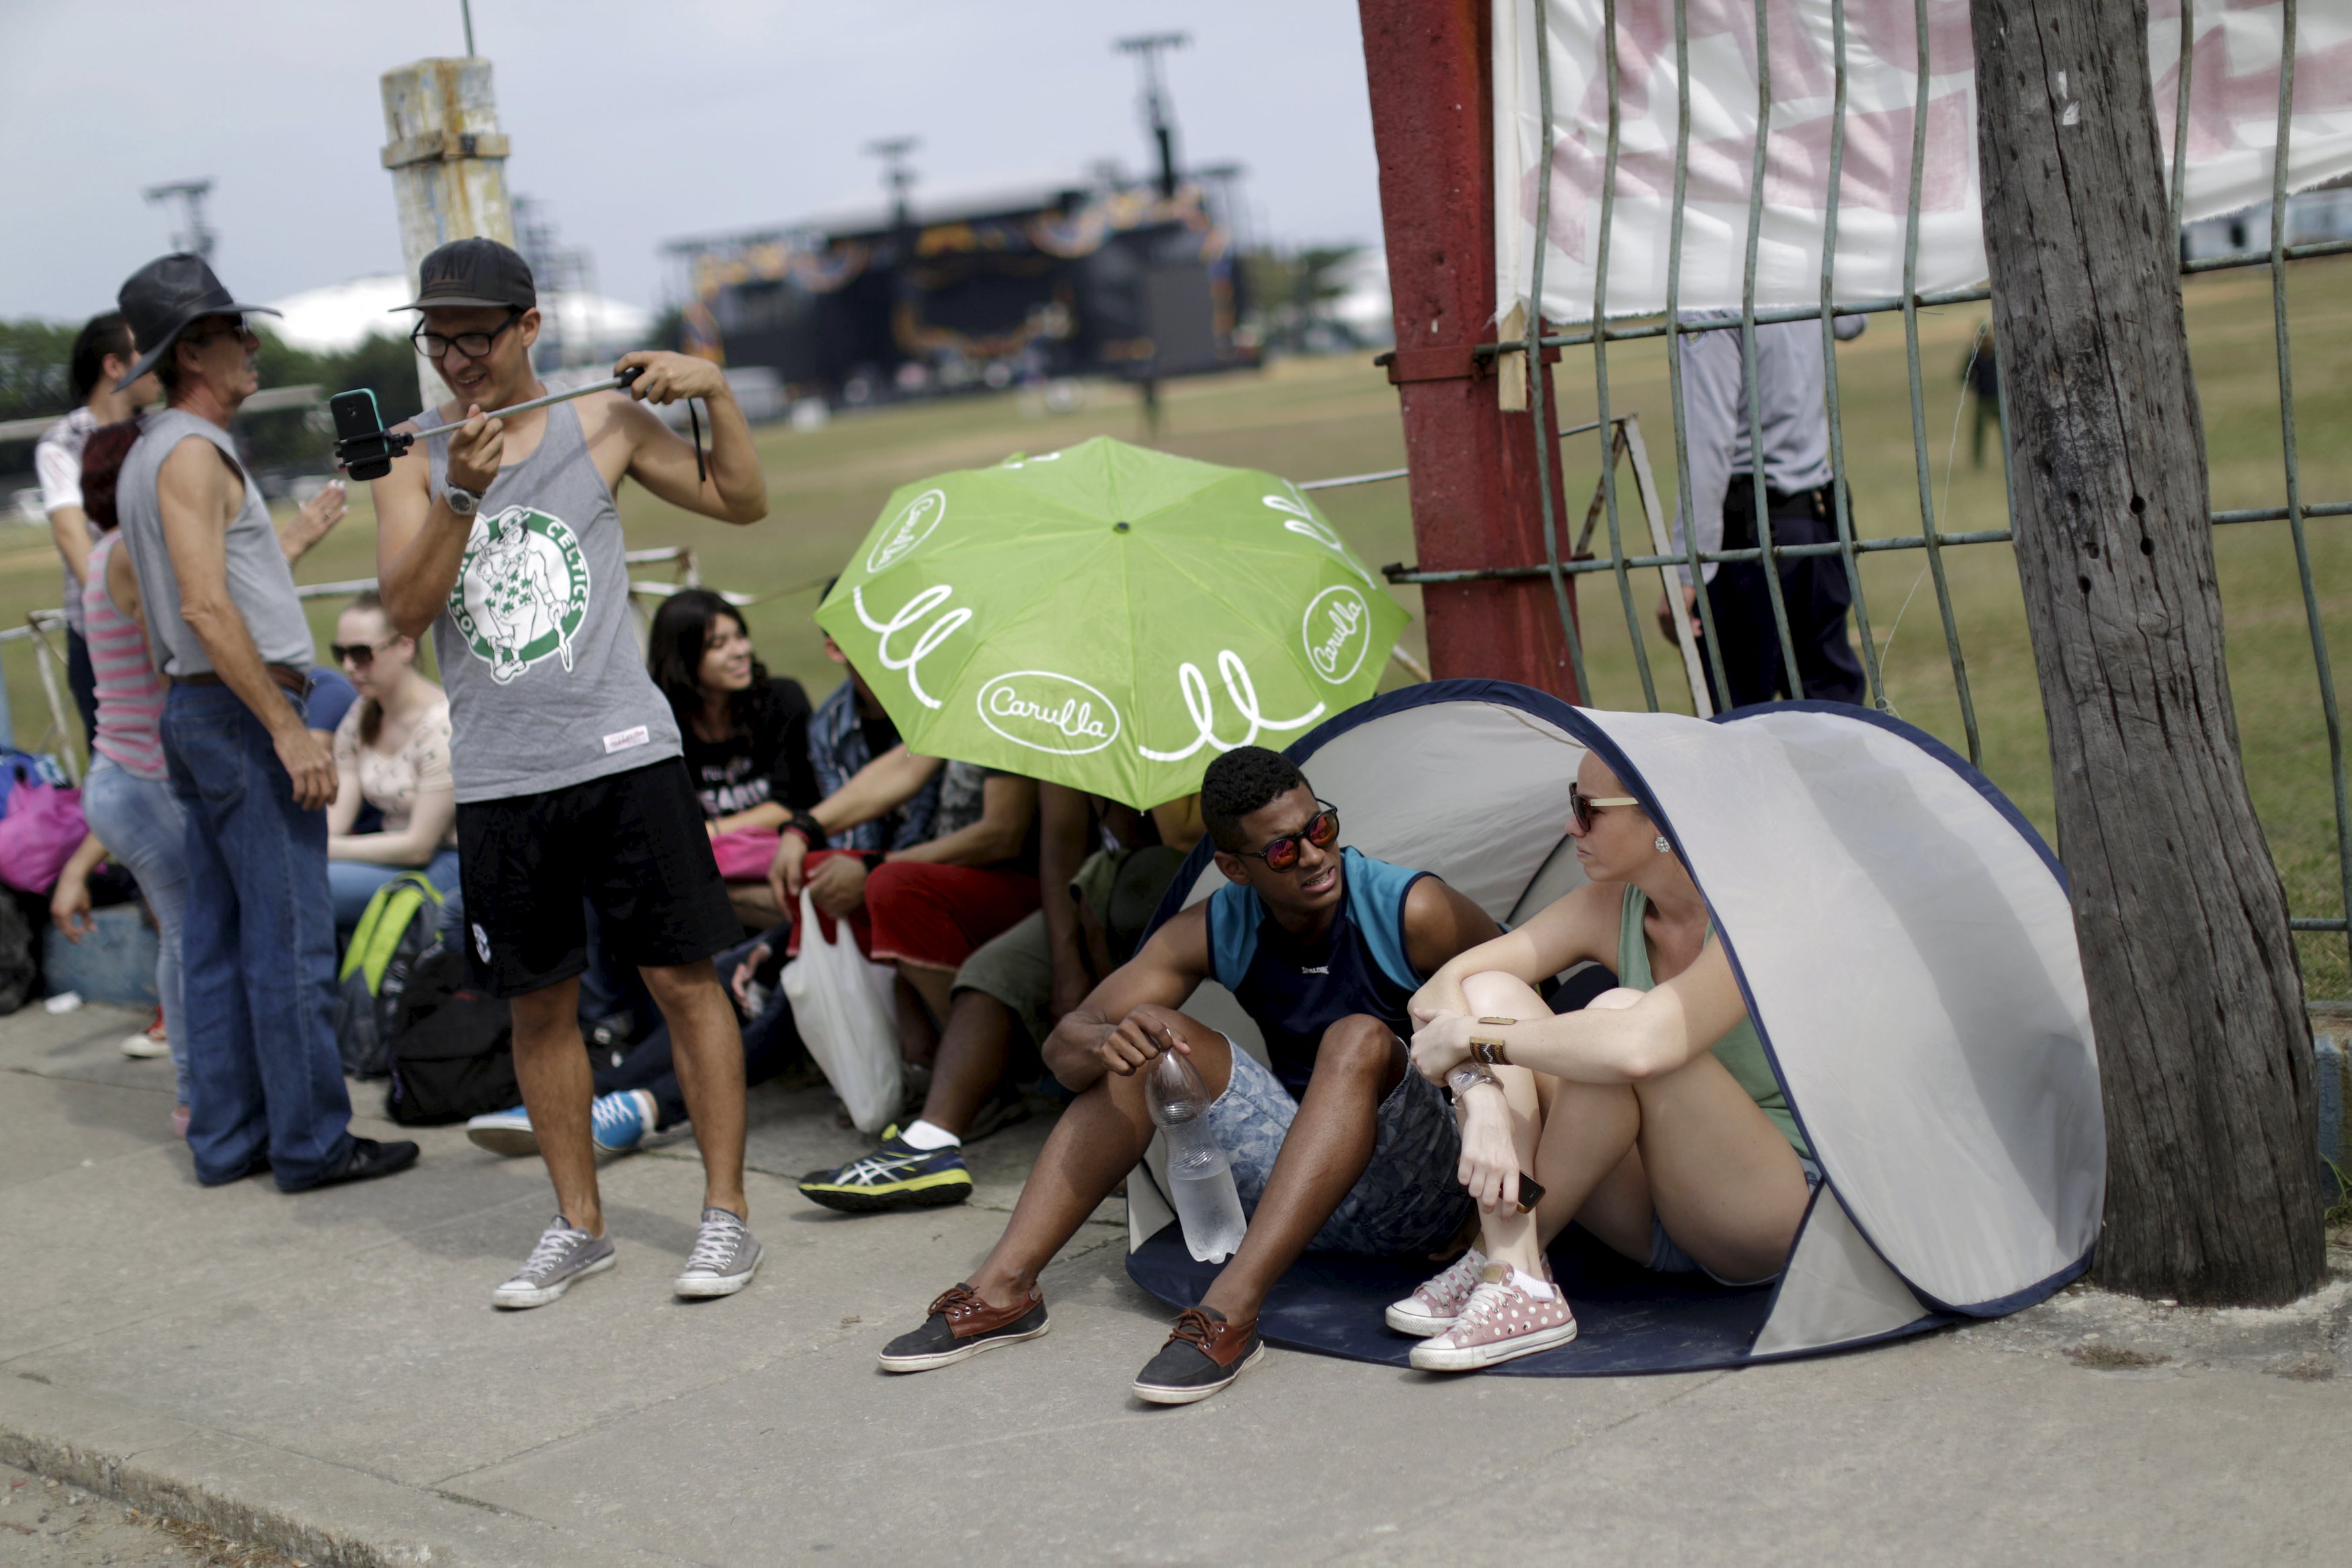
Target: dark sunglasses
<point>222,326</point>
<point>473,345</point>
<point>1581,806</point>
<point>1322,831</point>
<point>358,655</point>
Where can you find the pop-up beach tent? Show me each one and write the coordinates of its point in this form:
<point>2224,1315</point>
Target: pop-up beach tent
<point>1905,942</point>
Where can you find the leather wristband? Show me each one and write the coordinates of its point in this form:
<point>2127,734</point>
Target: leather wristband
<point>1490,1049</point>
<point>810,831</point>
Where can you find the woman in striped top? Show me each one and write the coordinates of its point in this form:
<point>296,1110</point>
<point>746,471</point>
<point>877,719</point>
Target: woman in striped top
<point>133,818</point>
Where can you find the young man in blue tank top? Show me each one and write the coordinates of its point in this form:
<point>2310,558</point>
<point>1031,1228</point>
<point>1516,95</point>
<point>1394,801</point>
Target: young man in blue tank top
<point>572,786</point>
<point>1338,1147</point>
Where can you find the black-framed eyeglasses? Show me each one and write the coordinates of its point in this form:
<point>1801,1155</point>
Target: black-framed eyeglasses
<point>358,655</point>
<point>1581,806</point>
<point>1322,831</point>
<point>473,345</point>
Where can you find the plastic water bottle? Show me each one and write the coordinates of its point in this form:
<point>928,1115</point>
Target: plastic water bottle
<point>1200,1177</point>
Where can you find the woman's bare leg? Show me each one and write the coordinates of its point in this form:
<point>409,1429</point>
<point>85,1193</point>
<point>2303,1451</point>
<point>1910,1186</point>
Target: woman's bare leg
<point>1727,1185</point>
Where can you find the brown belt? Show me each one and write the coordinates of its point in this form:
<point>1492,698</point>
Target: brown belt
<point>296,681</point>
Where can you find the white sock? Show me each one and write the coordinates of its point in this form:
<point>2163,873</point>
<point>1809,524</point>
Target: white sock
<point>1541,1290</point>
<point>929,1135</point>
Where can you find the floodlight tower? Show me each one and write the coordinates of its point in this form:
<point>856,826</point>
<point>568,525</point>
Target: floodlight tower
<point>196,235</point>
<point>1147,47</point>
<point>893,152</point>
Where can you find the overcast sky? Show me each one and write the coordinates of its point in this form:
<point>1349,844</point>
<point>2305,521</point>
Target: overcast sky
<point>636,120</point>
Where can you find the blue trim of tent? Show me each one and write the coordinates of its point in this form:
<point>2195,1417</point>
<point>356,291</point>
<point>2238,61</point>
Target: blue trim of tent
<point>1528,699</point>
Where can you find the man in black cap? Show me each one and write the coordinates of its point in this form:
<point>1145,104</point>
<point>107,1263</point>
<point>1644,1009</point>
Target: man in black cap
<point>259,942</point>
<point>572,786</point>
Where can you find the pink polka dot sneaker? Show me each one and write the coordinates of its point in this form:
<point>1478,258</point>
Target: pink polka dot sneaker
<point>1433,1306</point>
<point>1501,1320</point>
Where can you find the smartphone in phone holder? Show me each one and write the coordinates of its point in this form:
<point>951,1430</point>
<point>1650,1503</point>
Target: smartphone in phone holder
<point>365,449</point>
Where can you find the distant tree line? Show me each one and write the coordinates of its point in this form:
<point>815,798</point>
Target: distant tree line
<point>34,358</point>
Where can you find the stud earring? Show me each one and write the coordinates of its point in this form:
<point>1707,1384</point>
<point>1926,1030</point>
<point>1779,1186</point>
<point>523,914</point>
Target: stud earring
<point>1663,845</point>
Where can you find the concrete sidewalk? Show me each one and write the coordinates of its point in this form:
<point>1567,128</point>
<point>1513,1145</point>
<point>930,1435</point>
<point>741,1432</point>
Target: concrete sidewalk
<point>325,1374</point>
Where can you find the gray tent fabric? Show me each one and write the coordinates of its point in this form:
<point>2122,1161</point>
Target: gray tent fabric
<point>1902,934</point>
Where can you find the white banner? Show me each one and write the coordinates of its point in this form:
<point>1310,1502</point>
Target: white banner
<point>2233,116</point>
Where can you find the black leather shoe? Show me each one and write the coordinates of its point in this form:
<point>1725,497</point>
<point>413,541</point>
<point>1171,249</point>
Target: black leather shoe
<point>259,1164</point>
<point>364,1161</point>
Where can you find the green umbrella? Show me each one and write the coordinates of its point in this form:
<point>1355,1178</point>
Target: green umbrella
<point>1108,618</point>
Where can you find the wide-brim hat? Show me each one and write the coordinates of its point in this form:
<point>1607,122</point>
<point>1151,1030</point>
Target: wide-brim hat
<point>474,272</point>
<point>164,297</point>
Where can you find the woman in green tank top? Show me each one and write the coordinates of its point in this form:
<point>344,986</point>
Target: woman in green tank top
<point>1651,1117</point>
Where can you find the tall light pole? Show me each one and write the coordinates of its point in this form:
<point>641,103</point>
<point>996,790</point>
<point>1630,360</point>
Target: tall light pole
<point>197,237</point>
<point>896,175</point>
<point>1147,49</point>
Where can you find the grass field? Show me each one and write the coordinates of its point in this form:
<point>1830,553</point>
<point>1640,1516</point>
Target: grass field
<point>1313,419</point>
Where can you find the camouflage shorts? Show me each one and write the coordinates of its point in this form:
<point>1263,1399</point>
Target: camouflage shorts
<point>1410,1198</point>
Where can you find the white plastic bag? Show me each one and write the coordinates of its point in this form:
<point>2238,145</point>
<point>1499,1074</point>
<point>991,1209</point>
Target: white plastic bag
<point>842,1003</point>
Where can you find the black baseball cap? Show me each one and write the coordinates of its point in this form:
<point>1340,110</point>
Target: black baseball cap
<point>466,272</point>
<point>164,297</point>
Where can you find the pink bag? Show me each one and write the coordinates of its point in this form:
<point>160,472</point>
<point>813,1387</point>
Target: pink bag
<point>42,830</point>
<point>744,854</point>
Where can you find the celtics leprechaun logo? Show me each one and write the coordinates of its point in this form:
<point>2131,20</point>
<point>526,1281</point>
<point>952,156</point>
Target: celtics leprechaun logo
<point>522,592</point>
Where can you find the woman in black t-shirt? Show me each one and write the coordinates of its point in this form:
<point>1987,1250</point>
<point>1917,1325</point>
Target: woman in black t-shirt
<point>745,735</point>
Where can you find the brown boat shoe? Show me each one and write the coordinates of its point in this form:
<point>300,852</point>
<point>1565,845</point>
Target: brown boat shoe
<point>961,1324</point>
<point>1203,1353</point>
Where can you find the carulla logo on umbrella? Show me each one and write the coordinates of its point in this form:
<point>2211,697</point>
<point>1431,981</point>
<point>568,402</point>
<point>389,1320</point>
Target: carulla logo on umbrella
<point>913,526</point>
<point>1336,633</point>
<point>1046,711</point>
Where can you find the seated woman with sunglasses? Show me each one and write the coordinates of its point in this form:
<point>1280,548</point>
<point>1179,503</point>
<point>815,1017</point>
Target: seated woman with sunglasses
<point>392,752</point>
<point>1335,1147</point>
<point>1651,1117</point>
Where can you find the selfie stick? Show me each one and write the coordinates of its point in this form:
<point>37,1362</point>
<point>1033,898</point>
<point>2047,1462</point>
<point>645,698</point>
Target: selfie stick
<point>365,448</point>
<point>612,384</point>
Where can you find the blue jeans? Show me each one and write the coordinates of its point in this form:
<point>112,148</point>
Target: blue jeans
<point>353,883</point>
<point>142,827</point>
<point>258,950</point>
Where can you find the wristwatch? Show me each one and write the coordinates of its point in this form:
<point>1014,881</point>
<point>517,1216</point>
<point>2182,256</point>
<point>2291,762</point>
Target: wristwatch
<point>460,500</point>
<point>1488,1049</point>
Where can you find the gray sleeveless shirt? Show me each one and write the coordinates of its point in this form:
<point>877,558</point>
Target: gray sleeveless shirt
<point>260,583</point>
<point>547,687</point>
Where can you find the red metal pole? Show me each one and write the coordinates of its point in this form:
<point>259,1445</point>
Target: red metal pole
<point>1472,466</point>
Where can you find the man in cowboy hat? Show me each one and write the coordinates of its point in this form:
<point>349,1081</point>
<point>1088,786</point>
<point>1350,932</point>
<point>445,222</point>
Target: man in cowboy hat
<point>267,1089</point>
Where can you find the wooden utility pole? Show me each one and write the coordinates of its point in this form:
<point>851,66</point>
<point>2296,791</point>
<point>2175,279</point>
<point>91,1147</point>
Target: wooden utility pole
<point>448,163</point>
<point>1474,464</point>
<point>2205,1053</point>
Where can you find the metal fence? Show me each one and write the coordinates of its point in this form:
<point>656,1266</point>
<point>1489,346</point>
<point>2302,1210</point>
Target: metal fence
<point>1619,434</point>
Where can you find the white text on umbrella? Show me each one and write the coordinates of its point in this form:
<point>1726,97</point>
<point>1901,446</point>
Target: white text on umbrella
<point>914,610</point>
<point>1244,693</point>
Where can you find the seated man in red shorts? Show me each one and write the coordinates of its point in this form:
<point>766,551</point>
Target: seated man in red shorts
<point>924,908</point>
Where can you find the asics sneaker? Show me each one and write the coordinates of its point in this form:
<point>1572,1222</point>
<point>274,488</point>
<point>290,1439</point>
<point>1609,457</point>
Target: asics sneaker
<point>895,1177</point>
<point>1431,1308</point>
<point>563,1257</point>
<point>1501,1321</point>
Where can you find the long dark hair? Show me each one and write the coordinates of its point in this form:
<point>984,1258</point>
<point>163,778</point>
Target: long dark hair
<point>101,465</point>
<point>681,632</point>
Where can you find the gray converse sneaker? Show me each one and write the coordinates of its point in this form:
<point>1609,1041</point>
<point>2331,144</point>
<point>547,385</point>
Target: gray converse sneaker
<point>724,1259</point>
<point>563,1256</point>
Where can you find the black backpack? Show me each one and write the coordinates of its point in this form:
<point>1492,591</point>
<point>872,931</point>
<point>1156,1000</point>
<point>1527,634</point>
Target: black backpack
<point>400,923</point>
<point>452,1054</point>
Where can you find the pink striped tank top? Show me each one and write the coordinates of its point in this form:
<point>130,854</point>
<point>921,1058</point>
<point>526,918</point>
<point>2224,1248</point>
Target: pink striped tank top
<point>130,692</point>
